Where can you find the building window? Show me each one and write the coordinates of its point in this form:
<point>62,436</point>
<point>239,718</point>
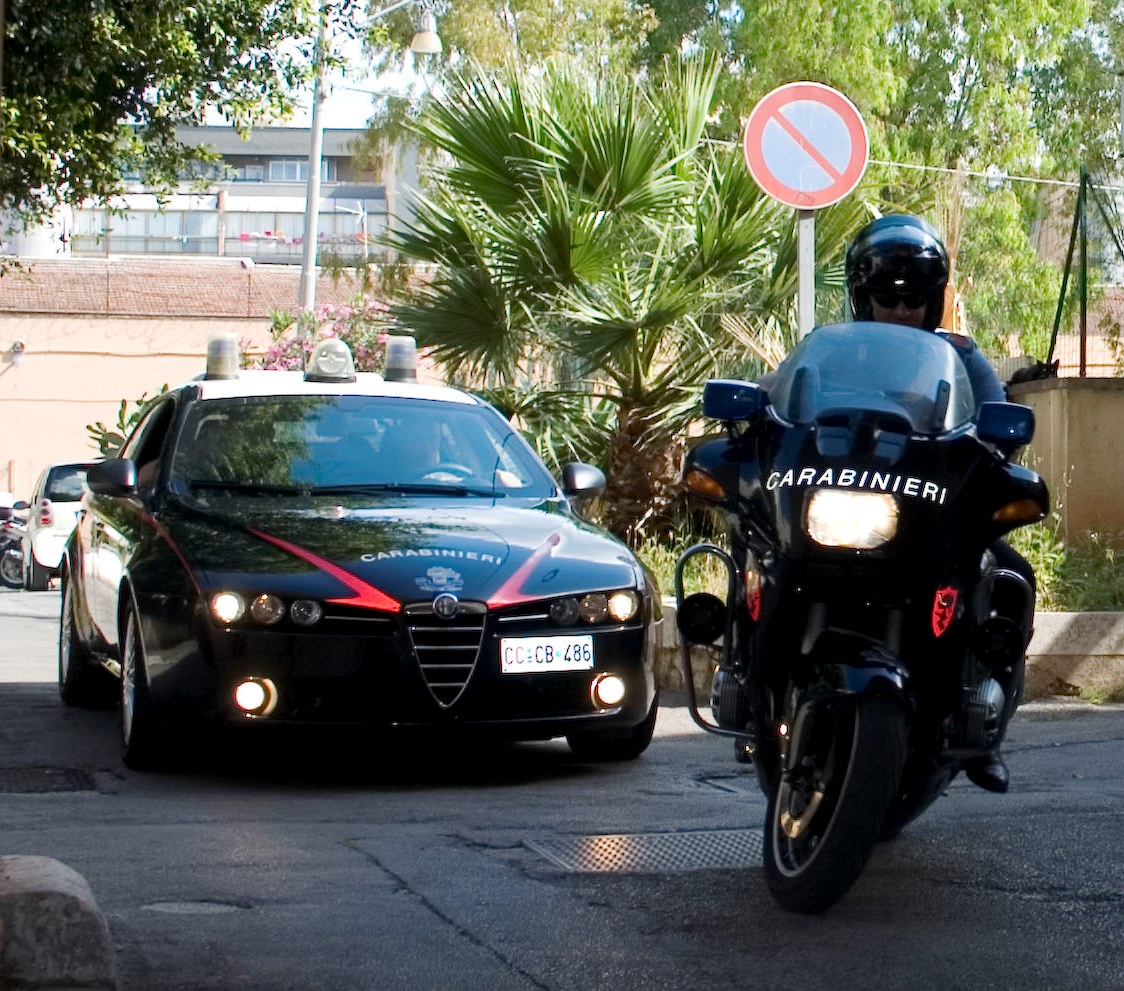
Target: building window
<point>246,173</point>
<point>296,170</point>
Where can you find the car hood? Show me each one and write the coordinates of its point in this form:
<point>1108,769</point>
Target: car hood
<point>384,556</point>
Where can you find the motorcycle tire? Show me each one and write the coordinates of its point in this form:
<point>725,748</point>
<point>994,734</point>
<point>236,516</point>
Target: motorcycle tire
<point>834,809</point>
<point>11,568</point>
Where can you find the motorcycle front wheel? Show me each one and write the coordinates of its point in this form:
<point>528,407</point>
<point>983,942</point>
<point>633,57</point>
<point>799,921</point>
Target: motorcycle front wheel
<point>825,814</point>
<point>11,568</point>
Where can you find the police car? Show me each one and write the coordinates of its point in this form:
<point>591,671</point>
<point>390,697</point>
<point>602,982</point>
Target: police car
<point>333,548</point>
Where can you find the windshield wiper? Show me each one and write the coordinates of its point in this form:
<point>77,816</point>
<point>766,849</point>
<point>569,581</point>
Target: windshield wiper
<point>254,488</point>
<point>407,488</point>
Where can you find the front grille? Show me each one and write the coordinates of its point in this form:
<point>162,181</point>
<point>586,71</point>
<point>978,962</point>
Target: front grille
<point>446,649</point>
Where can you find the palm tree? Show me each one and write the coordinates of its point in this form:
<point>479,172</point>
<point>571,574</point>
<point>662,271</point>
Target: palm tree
<point>587,239</point>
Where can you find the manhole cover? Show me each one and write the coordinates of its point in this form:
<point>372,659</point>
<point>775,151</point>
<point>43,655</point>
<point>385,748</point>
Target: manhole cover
<point>653,853</point>
<point>41,780</point>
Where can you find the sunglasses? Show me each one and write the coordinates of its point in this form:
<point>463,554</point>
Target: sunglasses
<point>889,301</point>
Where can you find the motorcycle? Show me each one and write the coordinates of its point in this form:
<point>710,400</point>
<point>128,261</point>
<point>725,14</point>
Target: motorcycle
<point>12,530</point>
<point>870,642</point>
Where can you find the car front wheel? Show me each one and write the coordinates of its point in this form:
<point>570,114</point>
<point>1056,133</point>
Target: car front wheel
<point>614,745</point>
<point>143,731</point>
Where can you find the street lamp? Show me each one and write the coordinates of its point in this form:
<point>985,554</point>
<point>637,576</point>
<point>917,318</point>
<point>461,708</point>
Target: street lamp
<point>424,42</point>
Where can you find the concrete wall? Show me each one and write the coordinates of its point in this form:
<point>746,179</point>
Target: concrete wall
<point>75,371</point>
<point>1077,449</point>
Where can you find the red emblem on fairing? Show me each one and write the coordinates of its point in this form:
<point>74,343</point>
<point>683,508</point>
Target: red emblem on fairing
<point>944,609</point>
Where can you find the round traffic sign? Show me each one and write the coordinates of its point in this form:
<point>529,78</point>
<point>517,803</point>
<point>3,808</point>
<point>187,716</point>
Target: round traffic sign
<point>806,145</point>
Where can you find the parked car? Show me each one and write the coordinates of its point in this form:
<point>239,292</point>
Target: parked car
<point>334,549</point>
<point>51,516</point>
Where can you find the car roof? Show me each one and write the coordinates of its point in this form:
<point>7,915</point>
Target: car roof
<point>271,383</point>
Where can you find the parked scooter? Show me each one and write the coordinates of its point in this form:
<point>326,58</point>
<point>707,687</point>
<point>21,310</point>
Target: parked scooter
<point>871,643</point>
<point>12,530</point>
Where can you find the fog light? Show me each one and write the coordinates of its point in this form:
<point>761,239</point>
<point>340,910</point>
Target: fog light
<point>608,690</point>
<point>305,612</point>
<point>267,609</point>
<point>594,607</point>
<point>228,607</point>
<point>256,696</point>
<point>564,612</point>
<point>623,605</point>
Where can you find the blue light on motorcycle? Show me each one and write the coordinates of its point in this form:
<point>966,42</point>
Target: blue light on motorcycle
<point>857,520</point>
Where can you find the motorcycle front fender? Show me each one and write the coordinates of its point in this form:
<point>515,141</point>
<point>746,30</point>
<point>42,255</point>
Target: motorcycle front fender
<point>842,665</point>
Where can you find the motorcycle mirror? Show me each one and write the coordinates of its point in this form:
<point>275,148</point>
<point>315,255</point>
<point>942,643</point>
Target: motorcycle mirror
<point>1008,426</point>
<point>733,400</point>
<point>701,618</point>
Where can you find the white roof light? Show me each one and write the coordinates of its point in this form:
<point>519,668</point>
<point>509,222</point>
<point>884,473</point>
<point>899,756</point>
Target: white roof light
<point>401,359</point>
<point>223,359</point>
<point>330,361</point>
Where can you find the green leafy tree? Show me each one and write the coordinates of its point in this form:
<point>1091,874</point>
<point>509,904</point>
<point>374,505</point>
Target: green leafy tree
<point>91,91</point>
<point>587,242</point>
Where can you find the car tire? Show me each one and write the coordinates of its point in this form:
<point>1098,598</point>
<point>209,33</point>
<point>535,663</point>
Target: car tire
<point>81,682</point>
<point>36,577</point>
<point>615,745</point>
<point>144,735</point>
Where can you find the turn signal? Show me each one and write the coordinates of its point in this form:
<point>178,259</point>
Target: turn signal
<point>702,484</point>
<point>1019,511</point>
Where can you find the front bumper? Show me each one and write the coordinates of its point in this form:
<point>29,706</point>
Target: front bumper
<point>375,669</point>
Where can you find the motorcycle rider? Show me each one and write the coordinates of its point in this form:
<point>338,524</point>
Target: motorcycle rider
<point>897,272</point>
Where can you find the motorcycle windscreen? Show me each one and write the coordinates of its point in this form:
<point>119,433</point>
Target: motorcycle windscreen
<point>875,366</point>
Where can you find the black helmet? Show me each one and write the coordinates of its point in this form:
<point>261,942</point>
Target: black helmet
<point>898,256</point>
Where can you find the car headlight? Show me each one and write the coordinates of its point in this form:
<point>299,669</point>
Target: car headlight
<point>595,607</point>
<point>859,520</point>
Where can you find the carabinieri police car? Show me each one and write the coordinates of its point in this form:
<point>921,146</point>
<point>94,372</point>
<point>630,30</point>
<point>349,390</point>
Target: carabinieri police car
<point>334,548</point>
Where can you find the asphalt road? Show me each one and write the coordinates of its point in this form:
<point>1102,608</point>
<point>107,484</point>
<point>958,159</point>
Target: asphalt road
<point>354,864</point>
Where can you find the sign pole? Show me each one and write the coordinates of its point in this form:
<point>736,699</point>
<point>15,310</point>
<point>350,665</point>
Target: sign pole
<point>806,269</point>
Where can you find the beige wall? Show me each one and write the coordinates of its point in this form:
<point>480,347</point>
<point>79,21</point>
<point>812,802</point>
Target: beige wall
<point>75,370</point>
<point>1077,449</point>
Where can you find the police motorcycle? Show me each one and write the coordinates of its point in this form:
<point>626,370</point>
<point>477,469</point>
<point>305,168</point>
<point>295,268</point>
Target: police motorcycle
<point>12,530</point>
<point>870,643</point>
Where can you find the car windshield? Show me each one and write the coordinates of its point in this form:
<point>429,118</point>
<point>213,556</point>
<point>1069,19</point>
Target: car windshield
<point>353,444</point>
<point>875,366</point>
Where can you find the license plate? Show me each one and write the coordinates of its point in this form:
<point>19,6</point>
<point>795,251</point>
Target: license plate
<point>539,655</point>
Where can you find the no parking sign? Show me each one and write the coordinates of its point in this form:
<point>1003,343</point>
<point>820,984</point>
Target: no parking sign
<point>806,146</point>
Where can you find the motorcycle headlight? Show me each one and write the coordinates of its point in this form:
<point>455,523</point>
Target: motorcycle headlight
<point>859,520</point>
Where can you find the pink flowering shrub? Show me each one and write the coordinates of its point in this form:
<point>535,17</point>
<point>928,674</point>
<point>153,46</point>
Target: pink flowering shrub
<point>361,325</point>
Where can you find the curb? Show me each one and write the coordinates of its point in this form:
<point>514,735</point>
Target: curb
<point>1073,654</point>
<point>52,934</point>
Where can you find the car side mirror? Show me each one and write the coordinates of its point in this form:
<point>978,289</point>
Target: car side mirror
<point>732,400</point>
<point>113,477</point>
<point>582,481</point>
<point>1008,426</point>
<point>21,504</point>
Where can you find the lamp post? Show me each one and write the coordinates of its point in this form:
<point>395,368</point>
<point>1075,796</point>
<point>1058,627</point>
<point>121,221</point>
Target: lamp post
<point>424,42</point>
